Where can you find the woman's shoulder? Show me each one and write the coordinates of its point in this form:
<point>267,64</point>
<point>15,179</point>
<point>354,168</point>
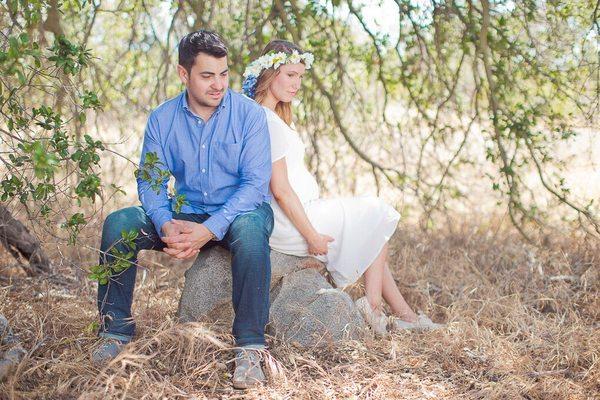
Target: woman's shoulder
<point>272,115</point>
<point>274,120</point>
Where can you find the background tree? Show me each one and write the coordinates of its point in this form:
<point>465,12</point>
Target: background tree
<point>47,158</point>
<point>458,91</point>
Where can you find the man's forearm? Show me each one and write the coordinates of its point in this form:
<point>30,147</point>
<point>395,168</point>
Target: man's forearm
<point>246,198</point>
<point>156,206</point>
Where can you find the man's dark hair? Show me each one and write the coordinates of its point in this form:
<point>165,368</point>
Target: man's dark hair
<point>201,41</point>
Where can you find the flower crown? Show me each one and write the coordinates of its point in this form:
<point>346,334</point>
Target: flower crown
<point>273,60</point>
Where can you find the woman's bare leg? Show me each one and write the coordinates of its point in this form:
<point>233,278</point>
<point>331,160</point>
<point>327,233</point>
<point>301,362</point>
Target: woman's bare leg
<point>380,284</point>
<point>394,298</point>
<point>374,280</point>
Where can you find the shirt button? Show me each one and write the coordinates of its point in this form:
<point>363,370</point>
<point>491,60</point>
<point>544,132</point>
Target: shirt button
<point>199,122</point>
<point>206,194</point>
<point>203,170</point>
<point>203,146</point>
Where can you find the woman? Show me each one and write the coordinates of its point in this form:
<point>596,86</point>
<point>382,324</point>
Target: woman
<point>349,234</point>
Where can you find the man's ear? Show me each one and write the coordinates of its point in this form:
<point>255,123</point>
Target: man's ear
<point>183,74</point>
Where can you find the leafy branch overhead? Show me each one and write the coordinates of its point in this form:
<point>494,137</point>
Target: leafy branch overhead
<point>50,159</point>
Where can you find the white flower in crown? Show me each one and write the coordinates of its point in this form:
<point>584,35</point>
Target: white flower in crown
<point>264,61</point>
<point>295,57</point>
<point>275,60</point>
<point>278,59</point>
<point>309,58</point>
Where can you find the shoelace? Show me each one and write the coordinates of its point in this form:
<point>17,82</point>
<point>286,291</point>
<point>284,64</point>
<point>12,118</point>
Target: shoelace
<point>254,357</point>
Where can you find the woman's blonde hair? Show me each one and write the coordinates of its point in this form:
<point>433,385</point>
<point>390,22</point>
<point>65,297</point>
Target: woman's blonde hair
<point>266,77</point>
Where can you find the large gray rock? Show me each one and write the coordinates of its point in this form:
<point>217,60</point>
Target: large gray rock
<point>307,310</point>
<point>207,290</point>
<point>206,284</point>
<point>11,358</point>
<point>304,307</point>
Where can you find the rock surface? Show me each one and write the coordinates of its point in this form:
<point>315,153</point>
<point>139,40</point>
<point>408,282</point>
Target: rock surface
<point>207,289</point>
<point>13,356</point>
<point>305,308</point>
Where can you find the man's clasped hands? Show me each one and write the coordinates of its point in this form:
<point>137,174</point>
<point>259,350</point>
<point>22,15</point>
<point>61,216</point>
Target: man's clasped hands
<point>184,239</point>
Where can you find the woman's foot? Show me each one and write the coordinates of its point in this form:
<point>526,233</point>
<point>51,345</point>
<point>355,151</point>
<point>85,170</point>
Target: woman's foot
<point>376,320</point>
<point>423,323</point>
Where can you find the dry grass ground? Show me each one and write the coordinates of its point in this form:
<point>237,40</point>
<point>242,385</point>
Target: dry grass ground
<point>522,322</point>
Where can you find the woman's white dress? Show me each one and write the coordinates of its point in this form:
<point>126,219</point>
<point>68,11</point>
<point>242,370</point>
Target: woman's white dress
<point>360,225</point>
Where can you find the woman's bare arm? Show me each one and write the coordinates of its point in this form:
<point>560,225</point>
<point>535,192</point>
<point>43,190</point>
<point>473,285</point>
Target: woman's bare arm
<point>290,203</point>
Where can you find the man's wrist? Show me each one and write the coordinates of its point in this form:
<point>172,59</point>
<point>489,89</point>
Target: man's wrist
<point>161,230</point>
<point>217,224</point>
<point>211,233</point>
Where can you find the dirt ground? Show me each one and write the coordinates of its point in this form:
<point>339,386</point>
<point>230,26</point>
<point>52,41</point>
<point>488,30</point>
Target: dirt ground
<point>521,322</point>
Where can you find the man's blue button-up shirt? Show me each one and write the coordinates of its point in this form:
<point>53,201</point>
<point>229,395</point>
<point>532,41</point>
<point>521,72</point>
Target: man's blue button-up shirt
<point>222,166</point>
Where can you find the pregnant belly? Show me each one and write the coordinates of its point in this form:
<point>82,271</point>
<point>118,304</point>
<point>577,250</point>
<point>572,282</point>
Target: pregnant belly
<point>305,185</point>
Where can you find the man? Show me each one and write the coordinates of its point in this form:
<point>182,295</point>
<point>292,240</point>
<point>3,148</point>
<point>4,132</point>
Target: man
<point>215,143</point>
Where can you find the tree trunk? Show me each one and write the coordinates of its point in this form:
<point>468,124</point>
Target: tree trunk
<point>15,237</point>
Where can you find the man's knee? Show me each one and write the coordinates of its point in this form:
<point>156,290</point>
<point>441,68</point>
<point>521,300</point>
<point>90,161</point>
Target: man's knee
<point>125,219</point>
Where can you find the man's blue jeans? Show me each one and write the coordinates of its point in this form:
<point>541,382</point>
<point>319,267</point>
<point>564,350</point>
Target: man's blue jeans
<point>248,241</point>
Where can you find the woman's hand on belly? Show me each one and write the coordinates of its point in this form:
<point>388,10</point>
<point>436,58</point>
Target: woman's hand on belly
<point>318,244</point>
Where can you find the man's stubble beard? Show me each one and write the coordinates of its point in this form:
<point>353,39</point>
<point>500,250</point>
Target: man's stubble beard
<point>202,103</point>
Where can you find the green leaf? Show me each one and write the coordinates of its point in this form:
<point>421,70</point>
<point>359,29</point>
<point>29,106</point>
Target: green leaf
<point>92,328</point>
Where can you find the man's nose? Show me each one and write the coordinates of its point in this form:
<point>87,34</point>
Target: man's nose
<point>218,83</point>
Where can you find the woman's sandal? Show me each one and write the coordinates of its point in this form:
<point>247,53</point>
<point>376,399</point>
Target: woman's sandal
<point>423,323</point>
<point>377,322</point>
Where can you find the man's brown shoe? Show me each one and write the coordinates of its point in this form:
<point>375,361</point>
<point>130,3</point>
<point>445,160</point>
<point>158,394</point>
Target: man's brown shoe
<point>248,371</point>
